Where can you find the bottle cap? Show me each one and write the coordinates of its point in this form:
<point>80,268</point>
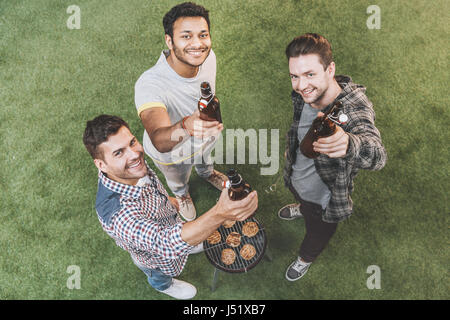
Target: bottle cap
<point>343,118</point>
<point>205,85</point>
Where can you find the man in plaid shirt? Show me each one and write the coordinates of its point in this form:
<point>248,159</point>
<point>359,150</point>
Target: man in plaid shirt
<point>135,210</point>
<point>322,186</point>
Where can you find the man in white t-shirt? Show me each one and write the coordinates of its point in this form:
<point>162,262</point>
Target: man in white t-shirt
<point>166,98</point>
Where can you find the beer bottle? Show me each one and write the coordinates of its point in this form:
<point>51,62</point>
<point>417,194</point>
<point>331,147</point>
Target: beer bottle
<point>209,105</point>
<point>238,188</point>
<point>322,126</point>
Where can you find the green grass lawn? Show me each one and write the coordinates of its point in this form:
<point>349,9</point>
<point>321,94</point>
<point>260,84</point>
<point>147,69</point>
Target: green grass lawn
<point>53,79</point>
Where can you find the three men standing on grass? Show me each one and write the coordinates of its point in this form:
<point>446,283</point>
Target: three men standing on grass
<point>137,212</point>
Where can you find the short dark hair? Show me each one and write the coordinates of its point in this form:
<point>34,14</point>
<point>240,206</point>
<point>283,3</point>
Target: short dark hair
<point>98,131</point>
<point>311,43</point>
<point>186,9</point>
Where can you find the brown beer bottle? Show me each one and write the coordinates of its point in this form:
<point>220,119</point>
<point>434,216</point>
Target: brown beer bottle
<point>238,188</point>
<point>209,105</point>
<point>322,126</point>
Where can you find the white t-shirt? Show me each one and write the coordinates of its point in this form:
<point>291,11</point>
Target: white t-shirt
<point>161,86</point>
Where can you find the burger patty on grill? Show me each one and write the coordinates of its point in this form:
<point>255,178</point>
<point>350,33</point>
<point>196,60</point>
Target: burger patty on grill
<point>250,229</point>
<point>214,238</point>
<point>228,223</point>
<point>228,256</point>
<point>248,251</point>
<point>233,239</point>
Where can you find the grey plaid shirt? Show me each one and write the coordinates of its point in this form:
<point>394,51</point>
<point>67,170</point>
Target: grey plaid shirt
<point>365,149</point>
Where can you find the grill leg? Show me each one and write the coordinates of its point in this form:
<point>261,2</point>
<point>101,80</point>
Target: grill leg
<point>268,255</point>
<point>214,282</point>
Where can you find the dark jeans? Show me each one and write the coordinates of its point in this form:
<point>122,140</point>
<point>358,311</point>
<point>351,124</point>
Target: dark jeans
<point>318,232</point>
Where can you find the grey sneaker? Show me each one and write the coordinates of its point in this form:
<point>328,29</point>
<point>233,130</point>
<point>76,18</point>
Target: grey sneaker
<point>217,179</point>
<point>290,212</point>
<point>297,269</point>
<point>187,209</point>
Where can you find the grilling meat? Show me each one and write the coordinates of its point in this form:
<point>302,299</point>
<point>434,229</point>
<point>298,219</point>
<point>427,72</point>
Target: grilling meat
<point>214,238</point>
<point>233,239</point>
<point>248,251</point>
<point>229,223</point>
<point>250,229</point>
<point>228,256</point>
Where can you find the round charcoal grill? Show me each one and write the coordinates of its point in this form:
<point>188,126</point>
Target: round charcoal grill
<point>214,251</point>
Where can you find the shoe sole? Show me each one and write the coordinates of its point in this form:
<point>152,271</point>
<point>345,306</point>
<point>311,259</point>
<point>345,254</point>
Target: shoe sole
<point>189,297</point>
<point>186,219</point>
<point>287,219</point>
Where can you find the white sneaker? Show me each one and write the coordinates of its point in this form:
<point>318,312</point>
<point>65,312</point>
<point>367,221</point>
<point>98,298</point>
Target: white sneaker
<point>180,290</point>
<point>197,249</point>
<point>187,209</point>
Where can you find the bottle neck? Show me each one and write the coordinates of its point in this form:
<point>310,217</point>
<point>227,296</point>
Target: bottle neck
<point>326,127</point>
<point>206,92</point>
<point>238,182</point>
<point>335,114</point>
<point>206,96</point>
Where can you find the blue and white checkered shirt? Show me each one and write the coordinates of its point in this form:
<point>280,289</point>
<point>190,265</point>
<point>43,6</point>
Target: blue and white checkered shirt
<point>143,222</point>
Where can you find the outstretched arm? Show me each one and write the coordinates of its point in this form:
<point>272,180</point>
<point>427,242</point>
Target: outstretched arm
<point>196,231</point>
<point>165,135</point>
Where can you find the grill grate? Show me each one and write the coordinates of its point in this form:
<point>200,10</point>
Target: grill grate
<point>214,252</point>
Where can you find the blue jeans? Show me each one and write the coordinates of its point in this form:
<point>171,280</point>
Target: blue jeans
<point>156,278</point>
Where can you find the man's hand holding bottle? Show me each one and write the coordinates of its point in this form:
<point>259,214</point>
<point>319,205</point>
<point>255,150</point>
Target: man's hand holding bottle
<point>199,128</point>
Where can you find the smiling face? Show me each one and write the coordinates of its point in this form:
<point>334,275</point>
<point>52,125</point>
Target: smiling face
<point>310,80</point>
<point>123,158</point>
<point>189,46</point>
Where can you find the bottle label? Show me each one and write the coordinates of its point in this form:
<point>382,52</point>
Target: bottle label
<point>203,103</point>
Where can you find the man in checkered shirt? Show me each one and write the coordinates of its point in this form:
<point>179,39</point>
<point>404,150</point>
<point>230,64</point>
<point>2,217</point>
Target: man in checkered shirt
<point>135,210</point>
<point>322,186</point>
